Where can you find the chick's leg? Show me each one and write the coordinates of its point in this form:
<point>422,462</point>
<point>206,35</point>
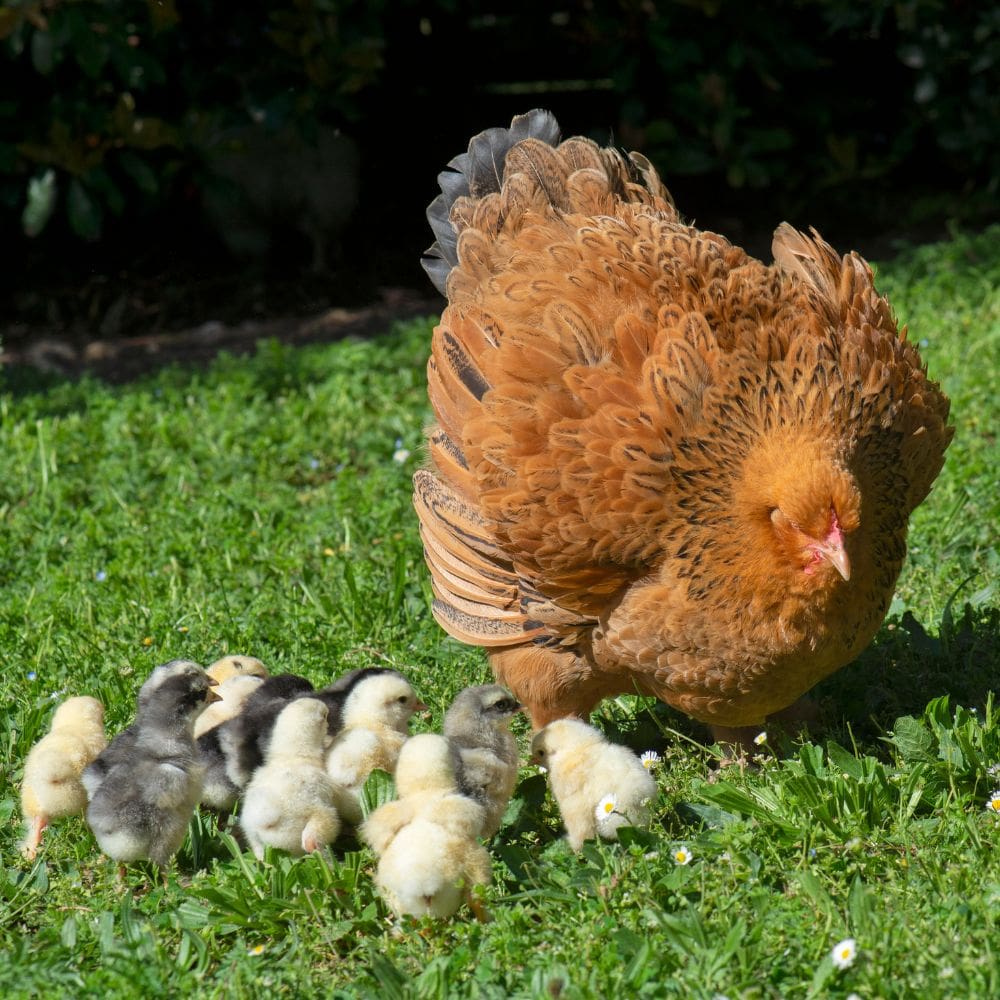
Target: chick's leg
<point>33,839</point>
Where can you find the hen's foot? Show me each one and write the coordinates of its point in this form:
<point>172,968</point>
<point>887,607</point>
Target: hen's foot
<point>740,743</point>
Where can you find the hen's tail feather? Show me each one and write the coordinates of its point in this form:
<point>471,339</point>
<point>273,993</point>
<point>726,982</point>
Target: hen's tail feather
<point>475,174</point>
<point>455,380</point>
<point>478,600</point>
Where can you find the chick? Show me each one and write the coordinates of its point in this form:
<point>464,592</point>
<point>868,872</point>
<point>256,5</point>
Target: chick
<point>51,787</point>
<point>233,692</point>
<point>290,801</point>
<point>375,717</point>
<point>121,747</point>
<point>429,857</point>
<point>142,807</point>
<point>236,666</point>
<point>244,738</point>
<point>477,724</point>
<point>599,786</point>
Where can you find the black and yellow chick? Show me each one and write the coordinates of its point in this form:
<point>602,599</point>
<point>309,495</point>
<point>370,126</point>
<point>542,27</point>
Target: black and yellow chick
<point>142,807</point>
<point>478,726</point>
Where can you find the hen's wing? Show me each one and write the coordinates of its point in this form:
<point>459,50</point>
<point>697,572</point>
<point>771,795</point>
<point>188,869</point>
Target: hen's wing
<point>563,376</point>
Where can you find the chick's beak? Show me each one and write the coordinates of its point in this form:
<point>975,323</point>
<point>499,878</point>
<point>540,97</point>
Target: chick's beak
<point>211,696</point>
<point>420,707</point>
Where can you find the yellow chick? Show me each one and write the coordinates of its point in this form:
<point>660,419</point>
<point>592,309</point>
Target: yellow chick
<point>52,786</point>
<point>375,718</point>
<point>290,802</point>
<point>429,855</point>
<point>234,692</point>
<point>599,786</point>
<point>236,666</point>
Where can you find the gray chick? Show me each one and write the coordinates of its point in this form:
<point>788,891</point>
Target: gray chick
<point>144,804</point>
<point>477,725</point>
<point>123,745</point>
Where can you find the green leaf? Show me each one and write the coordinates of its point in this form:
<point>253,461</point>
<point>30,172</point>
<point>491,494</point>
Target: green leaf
<point>913,741</point>
<point>85,215</point>
<point>379,789</point>
<point>90,52</point>
<point>844,760</point>
<point>42,52</point>
<point>860,906</point>
<point>40,204</point>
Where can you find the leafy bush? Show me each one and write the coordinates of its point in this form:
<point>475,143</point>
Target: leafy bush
<point>115,100</point>
<point>109,107</point>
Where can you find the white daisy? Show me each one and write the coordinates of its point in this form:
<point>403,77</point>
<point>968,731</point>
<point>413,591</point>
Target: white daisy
<point>844,953</point>
<point>993,802</point>
<point>682,855</point>
<point>760,739</point>
<point>606,806</point>
<point>650,759</point>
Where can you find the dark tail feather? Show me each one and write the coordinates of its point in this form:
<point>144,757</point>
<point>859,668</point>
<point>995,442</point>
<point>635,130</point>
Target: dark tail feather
<point>477,173</point>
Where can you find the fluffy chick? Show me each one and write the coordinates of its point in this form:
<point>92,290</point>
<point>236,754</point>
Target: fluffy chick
<point>478,726</point>
<point>236,666</point>
<point>584,770</point>
<point>51,787</point>
<point>121,747</point>
<point>290,801</point>
<point>429,857</point>
<point>244,738</point>
<point>375,717</point>
<point>142,807</point>
<point>234,692</point>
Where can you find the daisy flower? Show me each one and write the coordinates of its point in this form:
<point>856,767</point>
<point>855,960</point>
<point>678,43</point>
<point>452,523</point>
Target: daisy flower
<point>760,739</point>
<point>257,949</point>
<point>844,953</point>
<point>650,759</point>
<point>606,806</point>
<point>993,803</point>
<point>682,855</point>
<point>400,455</point>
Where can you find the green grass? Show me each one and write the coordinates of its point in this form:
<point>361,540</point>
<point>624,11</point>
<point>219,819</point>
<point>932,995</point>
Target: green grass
<point>256,506</point>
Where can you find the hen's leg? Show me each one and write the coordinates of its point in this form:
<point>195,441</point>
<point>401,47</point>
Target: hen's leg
<point>553,683</point>
<point>798,717</point>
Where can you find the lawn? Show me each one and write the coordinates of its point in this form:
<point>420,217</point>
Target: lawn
<point>262,506</point>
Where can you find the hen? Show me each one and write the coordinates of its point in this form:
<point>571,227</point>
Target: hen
<point>658,464</point>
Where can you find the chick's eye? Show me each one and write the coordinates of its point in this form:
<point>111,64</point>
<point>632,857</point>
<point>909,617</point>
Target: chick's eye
<point>403,699</point>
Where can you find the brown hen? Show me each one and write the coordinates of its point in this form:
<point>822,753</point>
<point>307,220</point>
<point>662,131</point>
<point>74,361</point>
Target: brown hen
<point>659,465</point>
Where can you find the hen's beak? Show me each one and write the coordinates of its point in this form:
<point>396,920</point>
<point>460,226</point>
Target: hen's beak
<point>835,554</point>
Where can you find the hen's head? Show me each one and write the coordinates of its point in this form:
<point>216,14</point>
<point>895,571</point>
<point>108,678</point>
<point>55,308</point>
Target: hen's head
<point>803,507</point>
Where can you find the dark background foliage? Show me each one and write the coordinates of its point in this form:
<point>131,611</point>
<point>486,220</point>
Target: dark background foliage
<point>196,139</point>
